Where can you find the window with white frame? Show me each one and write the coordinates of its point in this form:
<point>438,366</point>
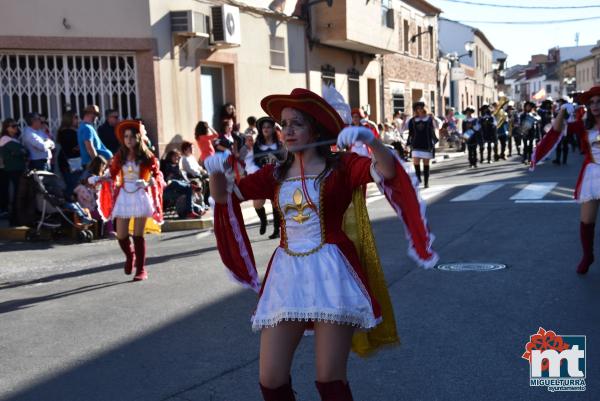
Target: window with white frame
<point>387,18</point>
<point>328,75</point>
<point>277,48</point>
<point>397,102</point>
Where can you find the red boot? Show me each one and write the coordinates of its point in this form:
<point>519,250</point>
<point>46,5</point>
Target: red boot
<point>139,244</point>
<point>334,391</point>
<point>283,393</point>
<point>127,249</point>
<point>586,232</point>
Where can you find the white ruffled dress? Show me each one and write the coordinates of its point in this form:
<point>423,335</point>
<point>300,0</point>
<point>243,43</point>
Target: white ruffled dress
<point>590,182</point>
<point>133,200</point>
<point>310,280</point>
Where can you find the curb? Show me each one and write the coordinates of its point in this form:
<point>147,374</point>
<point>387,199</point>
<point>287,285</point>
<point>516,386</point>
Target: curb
<point>183,225</point>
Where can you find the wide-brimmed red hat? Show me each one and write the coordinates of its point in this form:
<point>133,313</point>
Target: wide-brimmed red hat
<point>307,102</point>
<point>124,126</point>
<point>586,96</point>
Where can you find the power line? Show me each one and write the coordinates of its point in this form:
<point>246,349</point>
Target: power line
<point>473,3</point>
<point>559,21</point>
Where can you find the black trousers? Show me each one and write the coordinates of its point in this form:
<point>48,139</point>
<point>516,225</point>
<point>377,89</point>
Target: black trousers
<point>3,190</point>
<point>502,139</point>
<point>13,180</point>
<point>472,149</point>
<point>562,149</point>
<point>492,145</point>
<point>527,148</point>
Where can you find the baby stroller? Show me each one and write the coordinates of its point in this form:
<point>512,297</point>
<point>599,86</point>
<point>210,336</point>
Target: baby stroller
<point>42,206</point>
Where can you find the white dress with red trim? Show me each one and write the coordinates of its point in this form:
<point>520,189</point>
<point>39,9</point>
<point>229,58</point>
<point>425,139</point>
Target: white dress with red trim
<point>309,279</point>
<point>133,199</point>
<point>589,188</point>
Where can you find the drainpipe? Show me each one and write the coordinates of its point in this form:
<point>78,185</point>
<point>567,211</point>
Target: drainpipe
<point>381,93</point>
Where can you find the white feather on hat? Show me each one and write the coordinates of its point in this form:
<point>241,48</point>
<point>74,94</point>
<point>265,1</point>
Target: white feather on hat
<point>336,100</point>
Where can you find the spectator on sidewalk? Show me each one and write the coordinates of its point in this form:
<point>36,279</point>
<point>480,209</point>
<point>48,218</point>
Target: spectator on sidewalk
<point>89,142</point>
<point>251,130</point>
<point>69,158</point>
<point>88,190</point>
<point>13,156</point>
<point>178,184</point>
<point>228,112</point>
<point>195,173</point>
<point>106,131</point>
<point>37,142</point>
<point>205,136</point>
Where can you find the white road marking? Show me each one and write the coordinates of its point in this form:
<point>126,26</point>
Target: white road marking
<point>477,193</point>
<point>545,201</point>
<point>537,190</point>
<point>431,192</point>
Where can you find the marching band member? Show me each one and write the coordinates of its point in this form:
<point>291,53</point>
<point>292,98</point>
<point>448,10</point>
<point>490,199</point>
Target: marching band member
<point>488,132</point>
<point>502,129</point>
<point>135,191</point>
<point>316,279</point>
<point>472,135</point>
<point>529,123</point>
<point>587,190</point>
<point>545,114</point>
<point>513,128</point>
<point>562,149</point>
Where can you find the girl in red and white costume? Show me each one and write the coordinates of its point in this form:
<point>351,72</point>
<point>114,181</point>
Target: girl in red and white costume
<point>587,190</point>
<point>135,191</point>
<point>315,279</point>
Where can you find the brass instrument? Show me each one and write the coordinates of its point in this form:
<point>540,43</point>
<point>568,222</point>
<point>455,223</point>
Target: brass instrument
<point>499,114</point>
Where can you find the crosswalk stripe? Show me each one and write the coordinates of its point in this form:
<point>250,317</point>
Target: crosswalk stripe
<point>433,191</point>
<point>477,193</point>
<point>546,201</point>
<point>537,190</point>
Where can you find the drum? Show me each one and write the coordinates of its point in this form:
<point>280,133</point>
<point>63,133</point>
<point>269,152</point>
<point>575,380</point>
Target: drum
<point>528,123</point>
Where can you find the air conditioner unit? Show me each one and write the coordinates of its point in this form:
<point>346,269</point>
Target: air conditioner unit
<point>226,27</point>
<point>189,23</point>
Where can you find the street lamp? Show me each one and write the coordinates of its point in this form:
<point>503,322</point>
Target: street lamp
<point>429,31</point>
<point>495,68</point>
<point>454,63</point>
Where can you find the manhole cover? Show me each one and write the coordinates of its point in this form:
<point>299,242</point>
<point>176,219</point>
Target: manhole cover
<point>477,267</point>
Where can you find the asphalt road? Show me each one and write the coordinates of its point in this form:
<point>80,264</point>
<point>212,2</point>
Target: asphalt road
<point>72,327</point>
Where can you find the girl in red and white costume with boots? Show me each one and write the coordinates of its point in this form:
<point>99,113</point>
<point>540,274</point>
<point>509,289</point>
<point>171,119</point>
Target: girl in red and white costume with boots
<point>135,191</point>
<point>587,190</point>
<point>318,278</point>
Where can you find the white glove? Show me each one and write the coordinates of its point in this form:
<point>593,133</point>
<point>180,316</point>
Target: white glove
<point>350,135</point>
<point>217,162</point>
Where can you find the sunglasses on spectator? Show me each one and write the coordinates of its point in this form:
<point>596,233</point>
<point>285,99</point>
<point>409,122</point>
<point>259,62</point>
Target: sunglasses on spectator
<point>14,125</point>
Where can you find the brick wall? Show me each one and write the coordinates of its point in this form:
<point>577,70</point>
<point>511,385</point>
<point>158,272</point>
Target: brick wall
<point>414,73</point>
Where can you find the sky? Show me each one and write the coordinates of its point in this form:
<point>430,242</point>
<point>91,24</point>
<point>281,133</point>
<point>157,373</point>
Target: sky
<point>521,41</point>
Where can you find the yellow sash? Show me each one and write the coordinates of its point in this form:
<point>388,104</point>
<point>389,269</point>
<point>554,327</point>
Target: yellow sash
<point>151,226</point>
<point>358,228</point>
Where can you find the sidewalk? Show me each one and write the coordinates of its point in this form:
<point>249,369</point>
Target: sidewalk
<point>206,222</point>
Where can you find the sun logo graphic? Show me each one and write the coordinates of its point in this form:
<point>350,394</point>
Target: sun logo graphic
<point>556,361</point>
